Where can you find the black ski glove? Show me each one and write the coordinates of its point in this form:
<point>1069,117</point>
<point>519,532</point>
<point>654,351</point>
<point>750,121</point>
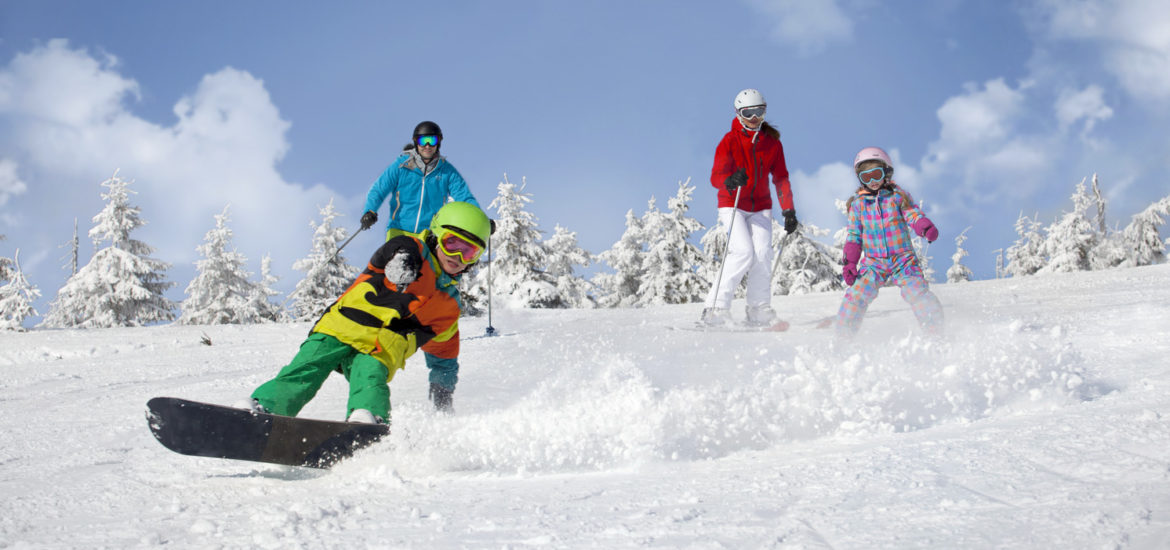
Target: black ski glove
<point>493,224</point>
<point>369,219</point>
<point>790,221</point>
<point>735,180</point>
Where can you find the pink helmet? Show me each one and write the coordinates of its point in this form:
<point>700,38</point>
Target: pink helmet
<point>872,153</point>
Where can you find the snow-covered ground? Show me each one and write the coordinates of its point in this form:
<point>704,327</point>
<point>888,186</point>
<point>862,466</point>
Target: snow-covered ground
<point>1043,421</point>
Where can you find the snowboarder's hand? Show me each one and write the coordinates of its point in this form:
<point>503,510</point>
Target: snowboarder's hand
<point>736,180</point>
<point>493,224</point>
<point>790,222</point>
<point>403,267</point>
<point>369,219</point>
<point>925,229</point>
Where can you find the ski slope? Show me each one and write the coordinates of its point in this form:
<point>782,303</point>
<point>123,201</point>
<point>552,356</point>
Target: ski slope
<point>1042,421</point>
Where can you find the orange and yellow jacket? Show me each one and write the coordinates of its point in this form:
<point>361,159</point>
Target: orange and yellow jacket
<point>389,320</point>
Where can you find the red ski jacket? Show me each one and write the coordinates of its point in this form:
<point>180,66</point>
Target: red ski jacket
<point>759,157</point>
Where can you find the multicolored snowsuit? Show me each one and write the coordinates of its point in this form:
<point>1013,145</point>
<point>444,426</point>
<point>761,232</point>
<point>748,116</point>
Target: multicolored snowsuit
<point>881,222</point>
<point>370,331</point>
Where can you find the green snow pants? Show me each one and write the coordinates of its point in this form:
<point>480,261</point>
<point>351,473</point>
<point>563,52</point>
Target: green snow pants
<point>321,354</point>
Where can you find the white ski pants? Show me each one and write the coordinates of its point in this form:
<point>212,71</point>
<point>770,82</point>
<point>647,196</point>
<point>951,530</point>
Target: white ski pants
<point>749,250</point>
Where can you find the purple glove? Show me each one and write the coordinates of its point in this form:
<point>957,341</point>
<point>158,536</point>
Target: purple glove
<point>924,228</point>
<point>852,255</point>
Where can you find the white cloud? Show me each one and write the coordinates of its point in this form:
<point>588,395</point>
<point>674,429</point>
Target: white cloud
<point>1088,104</point>
<point>65,118</point>
<point>10,184</point>
<point>1134,36</point>
<point>808,25</point>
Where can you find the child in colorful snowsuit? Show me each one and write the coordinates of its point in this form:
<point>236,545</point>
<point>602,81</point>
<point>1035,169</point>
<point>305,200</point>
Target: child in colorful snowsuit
<point>405,299</point>
<point>881,215</point>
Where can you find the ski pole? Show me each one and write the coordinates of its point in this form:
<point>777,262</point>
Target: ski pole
<point>727,248</point>
<point>338,251</point>
<point>491,331</point>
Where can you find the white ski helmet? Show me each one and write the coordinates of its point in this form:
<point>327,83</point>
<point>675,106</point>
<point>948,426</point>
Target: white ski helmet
<point>873,153</point>
<point>749,98</point>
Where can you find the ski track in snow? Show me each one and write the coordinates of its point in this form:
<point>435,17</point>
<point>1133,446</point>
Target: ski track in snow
<point>1042,420</point>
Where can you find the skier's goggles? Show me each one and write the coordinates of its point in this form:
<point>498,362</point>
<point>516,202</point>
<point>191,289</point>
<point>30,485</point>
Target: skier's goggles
<point>872,175</point>
<point>432,141</point>
<point>751,113</point>
<point>459,246</point>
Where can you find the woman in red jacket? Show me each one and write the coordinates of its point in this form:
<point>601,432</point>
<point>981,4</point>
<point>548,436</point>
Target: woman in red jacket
<point>746,156</point>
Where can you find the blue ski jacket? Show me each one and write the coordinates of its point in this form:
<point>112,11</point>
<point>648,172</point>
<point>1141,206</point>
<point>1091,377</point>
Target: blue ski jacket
<point>416,191</point>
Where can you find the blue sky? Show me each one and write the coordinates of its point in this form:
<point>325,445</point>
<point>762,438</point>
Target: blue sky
<point>990,109</point>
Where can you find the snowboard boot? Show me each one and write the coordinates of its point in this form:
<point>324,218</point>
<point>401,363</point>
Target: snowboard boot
<point>442,398</point>
<point>716,316</point>
<point>364,416</point>
<point>251,405</point>
<point>761,316</point>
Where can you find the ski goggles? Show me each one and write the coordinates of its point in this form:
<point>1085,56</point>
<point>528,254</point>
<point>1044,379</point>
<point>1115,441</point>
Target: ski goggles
<point>460,246</point>
<point>871,176</point>
<point>752,113</point>
<point>425,141</point>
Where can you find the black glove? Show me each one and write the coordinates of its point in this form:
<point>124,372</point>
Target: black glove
<point>442,398</point>
<point>369,219</point>
<point>493,224</point>
<point>789,221</point>
<point>735,180</point>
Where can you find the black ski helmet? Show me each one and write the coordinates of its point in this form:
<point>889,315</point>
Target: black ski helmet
<point>427,128</point>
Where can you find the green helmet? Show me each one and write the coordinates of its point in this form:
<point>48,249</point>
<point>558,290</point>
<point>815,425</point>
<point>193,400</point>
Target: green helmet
<point>463,218</point>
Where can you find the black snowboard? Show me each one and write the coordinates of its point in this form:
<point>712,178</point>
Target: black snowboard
<point>202,429</point>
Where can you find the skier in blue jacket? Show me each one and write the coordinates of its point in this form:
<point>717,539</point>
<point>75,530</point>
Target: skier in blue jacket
<point>418,183</point>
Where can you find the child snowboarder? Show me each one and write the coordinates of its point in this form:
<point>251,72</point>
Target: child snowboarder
<point>406,298</point>
<point>881,215</point>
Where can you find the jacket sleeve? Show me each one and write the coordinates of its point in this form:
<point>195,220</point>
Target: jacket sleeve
<point>780,179</point>
<point>853,225</point>
<point>723,166</point>
<point>457,188</point>
<point>382,187</point>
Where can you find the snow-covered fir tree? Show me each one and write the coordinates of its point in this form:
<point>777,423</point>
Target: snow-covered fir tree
<point>5,265</point>
<point>1141,240</point>
<point>620,288</point>
<point>1099,200</point>
<point>518,254</point>
<point>670,262</point>
<point>1071,239</point>
<point>71,258</point>
<point>564,257</point>
<point>959,273</point>
<point>804,264</point>
<point>261,301</point>
<point>121,285</point>
<point>1027,255</point>
<point>16,297</point>
<point>713,243</point>
<point>220,293</point>
<point>327,274</point>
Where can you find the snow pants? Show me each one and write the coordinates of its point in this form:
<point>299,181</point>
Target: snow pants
<point>873,273</point>
<point>749,250</point>
<point>321,354</point>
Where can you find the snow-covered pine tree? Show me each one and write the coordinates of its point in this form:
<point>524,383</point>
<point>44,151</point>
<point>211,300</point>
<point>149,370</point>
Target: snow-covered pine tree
<point>5,265</point>
<point>1026,256</point>
<point>670,263</point>
<point>120,286</point>
<point>620,288</point>
<point>1141,237</point>
<point>564,256</point>
<point>261,302</point>
<point>804,265</point>
<point>16,298</point>
<point>327,274</point>
<point>1071,239</point>
<point>1099,200</point>
<point>220,293</point>
<point>518,252</point>
<point>71,259</point>
<point>959,273</point>
<point>713,243</point>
